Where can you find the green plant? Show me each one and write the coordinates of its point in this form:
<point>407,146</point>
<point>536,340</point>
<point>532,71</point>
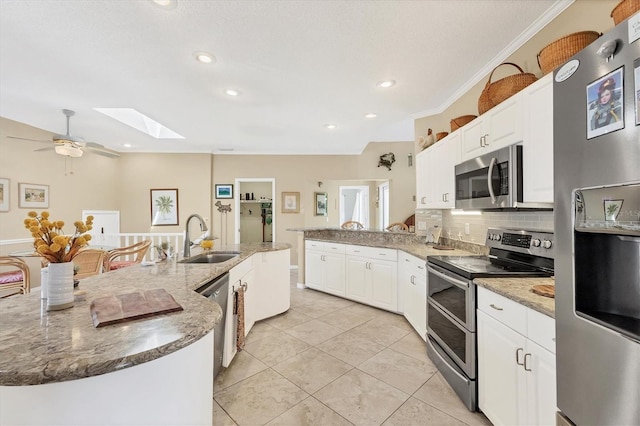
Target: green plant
<point>164,203</point>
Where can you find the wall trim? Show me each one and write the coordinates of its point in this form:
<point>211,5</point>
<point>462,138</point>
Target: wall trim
<point>17,241</point>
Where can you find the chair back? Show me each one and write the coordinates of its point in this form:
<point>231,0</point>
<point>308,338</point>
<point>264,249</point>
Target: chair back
<point>14,276</point>
<point>139,250</point>
<point>398,226</point>
<point>90,262</point>
<point>352,224</point>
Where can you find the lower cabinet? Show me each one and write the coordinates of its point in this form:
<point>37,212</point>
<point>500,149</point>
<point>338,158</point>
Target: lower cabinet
<point>325,267</point>
<point>516,375</point>
<point>372,276</point>
<point>412,280</point>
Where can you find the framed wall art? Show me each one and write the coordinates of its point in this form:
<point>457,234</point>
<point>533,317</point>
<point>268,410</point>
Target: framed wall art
<point>224,191</point>
<point>605,104</point>
<point>5,195</point>
<point>33,196</point>
<point>290,202</point>
<point>164,207</point>
<point>320,199</point>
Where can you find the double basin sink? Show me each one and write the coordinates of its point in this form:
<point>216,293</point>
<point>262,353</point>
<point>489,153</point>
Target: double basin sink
<point>215,257</point>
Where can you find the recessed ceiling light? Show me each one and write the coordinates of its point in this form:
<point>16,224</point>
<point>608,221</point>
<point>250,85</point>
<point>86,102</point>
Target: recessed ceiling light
<point>127,145</point>
<point>370,115</point>
<point>204,57</point>
<point>386,83</point>
<point>232,92</point>
<point>139,121</point>
<point>166,4</point>
<point>330,126</point>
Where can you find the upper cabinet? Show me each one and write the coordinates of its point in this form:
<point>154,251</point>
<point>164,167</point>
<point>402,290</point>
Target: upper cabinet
<point>499,127</point>
<point>435,167</point>
<point>537,151</point>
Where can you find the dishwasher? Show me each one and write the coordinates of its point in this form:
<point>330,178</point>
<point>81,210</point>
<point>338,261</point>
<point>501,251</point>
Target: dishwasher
<point>217,290</point>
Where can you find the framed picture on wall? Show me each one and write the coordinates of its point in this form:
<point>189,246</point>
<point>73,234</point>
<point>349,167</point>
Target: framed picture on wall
<point>605,104</point>
<point>224,191</point>
<point>320,203</point>
<point>290,202</point>
<point>164,207</point>
<point>33,196</point>
<point>5,195</point>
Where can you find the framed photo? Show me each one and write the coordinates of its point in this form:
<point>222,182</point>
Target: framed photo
<point>612,208</point>
<point>224,191</point>
<point>164,207</point>
<point>33,196</point>
<point>290,202</point>
<point>5,195</point>
<point>605,104</point>
<point>636,78</point>
<point>321,203</point>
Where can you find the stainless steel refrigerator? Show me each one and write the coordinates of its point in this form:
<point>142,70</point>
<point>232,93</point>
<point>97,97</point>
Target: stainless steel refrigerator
<point>597,230</point>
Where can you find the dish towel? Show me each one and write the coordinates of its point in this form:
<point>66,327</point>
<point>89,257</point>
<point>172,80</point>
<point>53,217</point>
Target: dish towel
<point>240,311</point>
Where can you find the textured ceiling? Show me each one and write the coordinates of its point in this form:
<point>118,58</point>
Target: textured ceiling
<point>298,64</point>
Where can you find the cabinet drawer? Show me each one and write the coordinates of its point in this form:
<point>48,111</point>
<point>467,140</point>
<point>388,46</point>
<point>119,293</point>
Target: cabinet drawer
<point>373,252</point>
<point>541,329</point>
<point>502,309</point>
<point>313,245</point>
<point>334,248</point>
<point>414,263</point>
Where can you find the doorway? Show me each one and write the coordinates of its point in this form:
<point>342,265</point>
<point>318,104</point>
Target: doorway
<point>354,204</point>
<point>383,205</point>
<point>254,207</point>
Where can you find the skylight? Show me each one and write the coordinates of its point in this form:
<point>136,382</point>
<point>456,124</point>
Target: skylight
<point>139,121</point>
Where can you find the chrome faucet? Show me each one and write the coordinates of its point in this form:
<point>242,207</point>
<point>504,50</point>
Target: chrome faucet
<point>187,241</point>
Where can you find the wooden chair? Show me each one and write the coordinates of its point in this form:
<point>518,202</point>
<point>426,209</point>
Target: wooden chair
<point>14,281</point>
<point>139,250</point>
<point>90,262</point>
<point>352,224</point>
<point>398,227</point>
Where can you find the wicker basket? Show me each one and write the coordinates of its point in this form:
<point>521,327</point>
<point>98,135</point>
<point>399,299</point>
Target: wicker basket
<point>441,135</point>
<point>558,52</point>
<point>624,9</point>
<point>458,122</point>
<point>498,91</point>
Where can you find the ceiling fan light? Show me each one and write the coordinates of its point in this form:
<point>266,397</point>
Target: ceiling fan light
<point>68,150</point>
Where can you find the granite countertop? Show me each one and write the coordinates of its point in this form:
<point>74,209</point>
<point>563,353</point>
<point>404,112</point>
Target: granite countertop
<point>520,290</point>
<point>37,346</point>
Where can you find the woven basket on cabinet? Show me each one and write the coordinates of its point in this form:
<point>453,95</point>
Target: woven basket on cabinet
<point>557,53</point>
<point>624,9</point>
<point>441,135</point>
<point>499,91</point>
<point>458,122</point>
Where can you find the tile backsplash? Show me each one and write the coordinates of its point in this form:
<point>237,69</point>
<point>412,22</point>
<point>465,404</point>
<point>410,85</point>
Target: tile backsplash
<point>454,227</point>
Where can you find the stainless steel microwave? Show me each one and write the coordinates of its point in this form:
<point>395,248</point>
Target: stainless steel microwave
<point>491,181</point>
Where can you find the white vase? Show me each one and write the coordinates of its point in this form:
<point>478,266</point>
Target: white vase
<point>44,279</point>
<point>60,286</point>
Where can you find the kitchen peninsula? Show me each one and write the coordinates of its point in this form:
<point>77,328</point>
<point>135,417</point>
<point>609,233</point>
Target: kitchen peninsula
<point>157,370</point>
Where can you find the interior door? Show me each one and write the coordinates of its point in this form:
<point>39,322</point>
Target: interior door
<point>106,227</point>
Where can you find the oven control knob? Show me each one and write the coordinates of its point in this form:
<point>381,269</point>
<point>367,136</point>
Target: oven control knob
<point>546,244</point>
<point>490,236</point>
<point>536,242</point>
<point>497,237</point>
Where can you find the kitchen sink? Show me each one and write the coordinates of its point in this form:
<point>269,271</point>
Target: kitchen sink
<point>217,257</point>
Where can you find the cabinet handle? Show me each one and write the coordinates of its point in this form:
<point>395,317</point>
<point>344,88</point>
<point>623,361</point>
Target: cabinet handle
<point>423,200</point>
<point>420,267</point>
<point>245,286</point>
<point>518,357</point>
<point>481,141</point>
<point>497,308</point>
<point>406,260</point>
<point>485,139</point>
<point>525,362</point>
<point>382,254</point>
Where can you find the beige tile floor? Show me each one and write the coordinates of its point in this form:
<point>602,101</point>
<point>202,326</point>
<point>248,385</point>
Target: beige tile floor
<point>330,361</point>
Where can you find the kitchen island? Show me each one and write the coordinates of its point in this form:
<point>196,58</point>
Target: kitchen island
<point>155,370</point>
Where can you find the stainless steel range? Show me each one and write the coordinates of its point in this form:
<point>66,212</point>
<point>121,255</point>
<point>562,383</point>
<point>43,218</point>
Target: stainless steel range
<point>451,299</point>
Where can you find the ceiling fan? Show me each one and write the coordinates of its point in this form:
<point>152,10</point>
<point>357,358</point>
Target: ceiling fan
<point>73,146</point>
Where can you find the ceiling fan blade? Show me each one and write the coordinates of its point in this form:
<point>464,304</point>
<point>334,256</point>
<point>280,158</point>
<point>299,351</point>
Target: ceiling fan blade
<point>28,139</point>
<point>44,149</point>
<point>101,150</point>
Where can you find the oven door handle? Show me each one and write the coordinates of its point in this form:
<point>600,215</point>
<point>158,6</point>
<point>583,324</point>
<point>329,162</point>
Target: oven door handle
<point>458,283</point>
<point>489,181</point>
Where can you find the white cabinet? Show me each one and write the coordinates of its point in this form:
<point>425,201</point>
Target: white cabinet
<point>272,288</point>
<point>537,151</point>
<point>412,280</point>
<point>516,362</point>
<point>435,174</point>
<point>240,275</point>
<point>499,127</point>
<point>372,276</point>
<point>325,267</point>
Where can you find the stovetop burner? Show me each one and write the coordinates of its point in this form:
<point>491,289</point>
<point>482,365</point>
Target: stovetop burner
<point>512,254</point>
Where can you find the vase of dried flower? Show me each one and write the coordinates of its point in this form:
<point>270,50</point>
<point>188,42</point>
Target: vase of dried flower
<point>60,286</point>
